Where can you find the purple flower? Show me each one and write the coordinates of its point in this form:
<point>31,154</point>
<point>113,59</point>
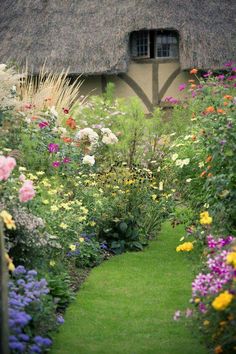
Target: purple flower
<point>182,87</point>
<point>56,164</point>
<point>230,124</point>
<point>43,125</point>
<point>220,77</point>
<point>223,142</point>
<point>202,307</point>
<point>229,63</point>
<point>66,160</point>
<point>60,319</point>
<point>53,148</point>
<point>234,69</point>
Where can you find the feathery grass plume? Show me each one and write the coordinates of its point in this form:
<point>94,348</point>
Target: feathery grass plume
<point>49,89</point>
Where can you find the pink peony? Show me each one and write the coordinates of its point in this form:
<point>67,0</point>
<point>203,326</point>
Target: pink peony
<point>6,166</point>
<point>27,191</point>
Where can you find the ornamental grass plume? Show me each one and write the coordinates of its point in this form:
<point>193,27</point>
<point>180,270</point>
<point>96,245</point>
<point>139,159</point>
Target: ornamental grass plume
<point>49,89</point>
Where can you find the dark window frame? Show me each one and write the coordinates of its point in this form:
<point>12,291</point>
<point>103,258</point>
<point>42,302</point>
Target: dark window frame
<point>164,45</point>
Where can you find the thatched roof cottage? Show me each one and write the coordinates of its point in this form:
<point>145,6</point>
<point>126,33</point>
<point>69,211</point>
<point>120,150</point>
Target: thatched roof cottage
<point>143,46</point>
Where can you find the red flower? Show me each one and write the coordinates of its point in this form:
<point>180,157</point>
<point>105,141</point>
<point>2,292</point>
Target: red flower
<point>71,123</point>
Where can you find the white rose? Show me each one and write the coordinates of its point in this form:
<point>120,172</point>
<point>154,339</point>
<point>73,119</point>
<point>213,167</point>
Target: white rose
<point>88,160</point>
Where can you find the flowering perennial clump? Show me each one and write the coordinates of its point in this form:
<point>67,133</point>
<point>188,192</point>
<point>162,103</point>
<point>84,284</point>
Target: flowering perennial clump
<point>26,293</point>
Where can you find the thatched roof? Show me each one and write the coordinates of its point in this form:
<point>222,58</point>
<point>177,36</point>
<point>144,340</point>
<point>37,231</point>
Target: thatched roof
<point>92,36</point>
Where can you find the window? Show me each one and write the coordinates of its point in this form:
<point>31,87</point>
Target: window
<point>154,44</point>
<point>140,44</point>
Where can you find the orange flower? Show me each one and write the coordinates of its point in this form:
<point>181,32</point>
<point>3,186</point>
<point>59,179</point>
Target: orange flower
<point>193,71</point>
<point>67,140</point>
<point>225,103</point>
<point>203,174</point>
<point>193,137</point>
<point>193,86</point>
<point>220,111</point>
<point>208,159</point>
<point>210,109</point>
<point>71,123</point>
<point>191,81</point>
<point>228,97</point>
<point>209,175</point>
<point>218,349</point>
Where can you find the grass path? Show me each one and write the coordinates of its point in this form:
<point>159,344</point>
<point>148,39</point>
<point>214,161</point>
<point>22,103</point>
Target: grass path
<point>127,304</point>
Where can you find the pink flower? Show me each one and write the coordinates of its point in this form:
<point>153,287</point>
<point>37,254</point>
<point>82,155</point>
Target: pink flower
<point>6,166</point>
<point>43,125</point>
<point>177,315</point>
<point>182,87</point>
<point>22,178</point>
<point>56,164</point>
<point>27,191</point>
<point>53,147</point>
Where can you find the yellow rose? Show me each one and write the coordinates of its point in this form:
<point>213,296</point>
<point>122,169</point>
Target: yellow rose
<point>222,301</point>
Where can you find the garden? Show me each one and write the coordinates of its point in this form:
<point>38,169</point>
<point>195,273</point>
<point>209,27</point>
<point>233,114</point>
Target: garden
<point>117,229</point>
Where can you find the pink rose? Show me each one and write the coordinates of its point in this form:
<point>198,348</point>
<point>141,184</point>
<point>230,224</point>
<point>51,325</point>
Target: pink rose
<point>22,178</point>
<point>6,166</point>
<point>27,191</point>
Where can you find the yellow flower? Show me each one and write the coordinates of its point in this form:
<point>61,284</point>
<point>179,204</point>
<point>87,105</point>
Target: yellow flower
<point>205,218</point>
<point>186,246</point>
<point>72,247</point>
<point>82,218</point>
<point>40,173</point>
<point>222,301</point>
<point>22,169</point>
<point>154,197</point>
<point>84,210</point>
<point>52,191</point>
<point>10,264</point>
<point>8,221</point>
<point>54,208</point>
<point>81,239</point>
<point>63,225</point>
<point>231,259</point>
<point>46,184</point>
<point>52,263</point>
<point>92,223</point>
<point>206,323</point>
<point>197,300</point>
<point>32,177</point>
<point>45,201</point>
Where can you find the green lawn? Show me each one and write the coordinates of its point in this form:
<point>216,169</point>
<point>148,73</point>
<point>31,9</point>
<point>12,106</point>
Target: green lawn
<point>127,304</point>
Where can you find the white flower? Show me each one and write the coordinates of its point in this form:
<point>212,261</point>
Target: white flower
<point>182,163</point>
<point>53,111</point>
<point>174,157</point>
<point>88,160</point>
<point>201,164</point>
<point>106,131</point>
<point>87,133</point>
<point>188,180</point>
<point>109,139</point>
<point>161,186</point>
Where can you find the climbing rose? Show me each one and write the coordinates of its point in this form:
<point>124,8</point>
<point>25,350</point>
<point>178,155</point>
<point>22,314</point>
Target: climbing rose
<point>27,191</point>
<point>6,166</point>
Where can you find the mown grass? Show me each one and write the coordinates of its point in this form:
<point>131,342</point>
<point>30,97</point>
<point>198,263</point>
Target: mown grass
<point>127,304</point>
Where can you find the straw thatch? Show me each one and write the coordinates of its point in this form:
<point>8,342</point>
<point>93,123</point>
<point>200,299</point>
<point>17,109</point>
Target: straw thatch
<point>92,36</point>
